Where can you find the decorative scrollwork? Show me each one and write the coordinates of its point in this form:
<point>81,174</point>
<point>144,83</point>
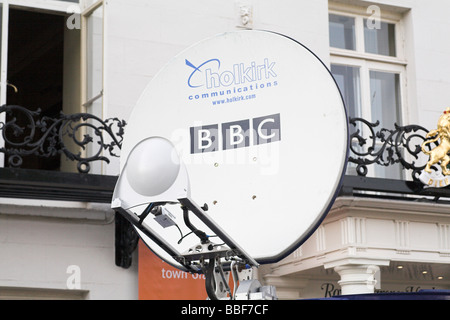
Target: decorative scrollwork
<point>27,133</point>
<point>386,147</point>
<point>85,138</point>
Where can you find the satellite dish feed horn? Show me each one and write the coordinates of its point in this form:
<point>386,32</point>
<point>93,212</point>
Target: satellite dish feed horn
<point>154,176</point>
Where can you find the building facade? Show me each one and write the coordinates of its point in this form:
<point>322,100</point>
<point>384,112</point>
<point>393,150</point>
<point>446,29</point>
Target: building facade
<point>389,58</point>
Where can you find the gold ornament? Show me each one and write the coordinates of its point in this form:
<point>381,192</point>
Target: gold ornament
<point>439,153</point>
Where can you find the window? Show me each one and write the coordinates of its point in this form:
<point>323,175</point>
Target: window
<point>381,39</point>
<point>35,72</point>
<point>342,32</point>
<point>368,64</point>
<point>50,65</point>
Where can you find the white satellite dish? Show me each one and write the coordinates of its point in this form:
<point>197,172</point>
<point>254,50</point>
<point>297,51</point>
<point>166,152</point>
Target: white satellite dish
<point>251,126</point>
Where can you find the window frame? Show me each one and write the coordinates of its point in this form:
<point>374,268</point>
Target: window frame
<point>359,38</point>
<point>86,100</point>
<point>366,62</point>
<point>365,66</point>
<point>369,61</point>
<point>85,14</point>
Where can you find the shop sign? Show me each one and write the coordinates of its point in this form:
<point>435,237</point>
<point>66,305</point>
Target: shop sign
<point>331,289</point>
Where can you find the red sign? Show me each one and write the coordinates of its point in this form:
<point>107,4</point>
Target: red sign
<point>158,280</point>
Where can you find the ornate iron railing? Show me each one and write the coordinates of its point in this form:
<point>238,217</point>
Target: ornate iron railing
<point>386,147</point>
<point>28,133</point>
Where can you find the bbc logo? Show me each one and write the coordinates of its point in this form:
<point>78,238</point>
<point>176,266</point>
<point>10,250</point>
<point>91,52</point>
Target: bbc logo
<point>236,134</point>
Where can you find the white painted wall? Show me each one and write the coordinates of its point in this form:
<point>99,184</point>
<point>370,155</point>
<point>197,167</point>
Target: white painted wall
<point>62,246</point>
<point>431,49</point>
